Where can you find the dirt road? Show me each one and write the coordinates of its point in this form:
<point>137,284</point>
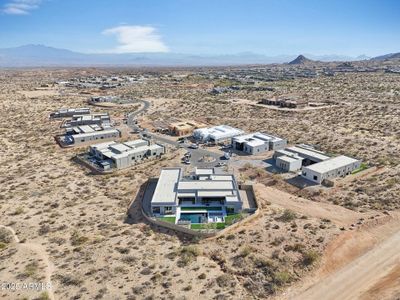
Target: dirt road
<point>337,214</point>
<point>41,252</point>
<point>355,279</point>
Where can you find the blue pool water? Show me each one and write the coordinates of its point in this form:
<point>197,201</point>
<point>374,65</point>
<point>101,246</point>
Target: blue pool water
<point>193,217</point>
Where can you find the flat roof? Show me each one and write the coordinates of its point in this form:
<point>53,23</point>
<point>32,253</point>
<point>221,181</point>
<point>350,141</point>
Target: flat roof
<point>288,153</point>
<point>205,185</point>
<point>331,164</point>
<point>262,135</point>
<point>288,158</point>
<point>256,139</point>
<point>308,152</point>
<point>232,198</point>
<point>141,149</point>
<point>214,193</point>
<point>136,142</point>
<point>218,132</point>
<point>223,177</point>
<point>95,133</point>
<point>204,171</point>
<point>86,128</point>
<point>102,145</point>
<point>120,148</point>
<point>154,147</point>
<point>165,191</point>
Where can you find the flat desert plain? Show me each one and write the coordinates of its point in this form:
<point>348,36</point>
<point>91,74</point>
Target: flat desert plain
<point>65,227</point>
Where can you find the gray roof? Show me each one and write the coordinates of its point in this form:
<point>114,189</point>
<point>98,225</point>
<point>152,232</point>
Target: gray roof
<point>308,152</point>
<point>331,164</point>
<point>95,133</point>
<point>165,192</point>
<point>288,159</point>
<point>171,185</point>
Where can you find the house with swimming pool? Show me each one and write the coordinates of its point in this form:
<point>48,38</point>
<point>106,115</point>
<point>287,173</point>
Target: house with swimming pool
<point>200,197</point>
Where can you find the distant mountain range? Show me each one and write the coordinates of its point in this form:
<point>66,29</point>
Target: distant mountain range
<point>44,56</point>
<point>387,56</point>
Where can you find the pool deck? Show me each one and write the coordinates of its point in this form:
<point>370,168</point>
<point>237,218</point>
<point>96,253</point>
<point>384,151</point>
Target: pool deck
<point>203,210</point>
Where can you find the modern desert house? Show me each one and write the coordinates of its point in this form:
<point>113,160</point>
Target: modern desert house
<point>184,128</point>
<point>201,197</point>
<point>69,112</point>
<point>216,134</point>
<point>316,166</point>
<point>295,157</point>
<point>101,119</point>
<point>81,135</point>
<point>256,143</point>
<point>113,155</point>
<point>339,166</point>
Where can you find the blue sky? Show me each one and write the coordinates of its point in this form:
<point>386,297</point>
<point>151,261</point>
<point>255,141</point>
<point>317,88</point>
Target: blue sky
<point>271,27</point>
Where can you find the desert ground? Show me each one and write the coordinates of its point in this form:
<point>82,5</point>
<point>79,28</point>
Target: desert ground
<point>63,226</point>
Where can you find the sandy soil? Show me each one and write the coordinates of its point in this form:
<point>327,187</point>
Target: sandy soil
<point>322,210</point>
<point>73,229</point>
<point>360,264</point>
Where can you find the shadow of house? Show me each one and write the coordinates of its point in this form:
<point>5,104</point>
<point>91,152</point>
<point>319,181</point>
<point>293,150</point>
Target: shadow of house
<point>139,205</point>
<point>272,168</point>
<point>236,152</point>
<point>300,182</point>
<point>134,213</point>
<point>90,172</point>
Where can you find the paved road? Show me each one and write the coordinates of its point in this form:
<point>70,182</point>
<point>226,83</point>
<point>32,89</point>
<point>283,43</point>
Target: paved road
<point>196,154</point>
<point>132,115</point>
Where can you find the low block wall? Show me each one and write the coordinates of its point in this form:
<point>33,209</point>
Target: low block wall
<point>92,168</point>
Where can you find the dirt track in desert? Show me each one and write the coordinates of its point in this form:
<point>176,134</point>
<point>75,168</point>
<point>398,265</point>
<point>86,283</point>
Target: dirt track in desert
<point>363,264</point>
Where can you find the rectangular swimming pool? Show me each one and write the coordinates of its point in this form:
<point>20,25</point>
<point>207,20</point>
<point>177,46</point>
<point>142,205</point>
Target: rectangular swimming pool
<point>194,218</point>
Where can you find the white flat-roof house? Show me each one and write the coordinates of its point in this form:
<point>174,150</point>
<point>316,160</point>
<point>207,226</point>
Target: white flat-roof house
<point>216,134</point>
<point>69,112</point>
<point>101,119</point>
<point>309,154</point>
<point>257,142</point>
<point>339,166</point>
<point>84,134</point>
<point>199,198</point>
<point>315,165</point>
<point>111,155</point>
<point>289,163</point>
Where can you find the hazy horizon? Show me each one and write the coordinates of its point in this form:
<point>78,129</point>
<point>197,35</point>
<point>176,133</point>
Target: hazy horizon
<point>270,28</point>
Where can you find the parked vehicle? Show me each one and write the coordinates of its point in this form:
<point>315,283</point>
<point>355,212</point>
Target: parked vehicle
<point>226,146</point>
<point>226,156</point>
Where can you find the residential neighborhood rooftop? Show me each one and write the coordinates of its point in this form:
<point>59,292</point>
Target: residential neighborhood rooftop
<point>165,191</point>
<point>332,164</point>
<point>308,152</point>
